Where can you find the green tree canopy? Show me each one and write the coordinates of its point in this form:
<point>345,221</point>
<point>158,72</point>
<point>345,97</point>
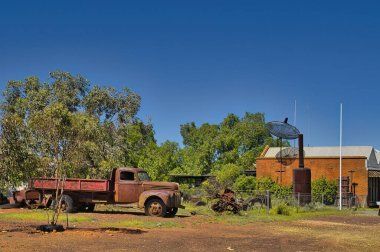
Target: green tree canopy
<point>67,126</point>
<point>235,140</point>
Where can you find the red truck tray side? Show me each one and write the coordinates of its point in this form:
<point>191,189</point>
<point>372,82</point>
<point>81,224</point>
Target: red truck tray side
<point>88,185</point>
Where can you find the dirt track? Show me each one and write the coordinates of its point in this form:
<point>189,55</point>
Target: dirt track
<point>333,233</point>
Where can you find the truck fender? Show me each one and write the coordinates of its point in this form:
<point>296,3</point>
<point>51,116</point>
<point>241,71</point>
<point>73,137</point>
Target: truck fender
<point>163,195</point>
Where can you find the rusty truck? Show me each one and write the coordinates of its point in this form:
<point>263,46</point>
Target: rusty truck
<point>125,186</point>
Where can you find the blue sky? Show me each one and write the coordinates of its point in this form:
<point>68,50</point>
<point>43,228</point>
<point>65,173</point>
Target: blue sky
<point>200,60</point>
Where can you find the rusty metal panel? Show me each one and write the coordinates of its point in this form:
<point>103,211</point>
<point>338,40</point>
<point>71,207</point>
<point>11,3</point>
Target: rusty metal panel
<point>92,185</point>
<point>43,183</point>
<point>70,184</point>
<point>302,185</point>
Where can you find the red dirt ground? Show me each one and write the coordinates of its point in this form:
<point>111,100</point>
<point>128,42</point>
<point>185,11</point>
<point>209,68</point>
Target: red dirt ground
<point>332,233</point>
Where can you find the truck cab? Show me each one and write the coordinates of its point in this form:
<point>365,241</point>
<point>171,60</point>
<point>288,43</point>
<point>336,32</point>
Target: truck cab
<point>133,185</point>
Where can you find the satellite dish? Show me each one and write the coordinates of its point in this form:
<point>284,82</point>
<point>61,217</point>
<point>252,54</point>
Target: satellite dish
<point>283,129</point>
<point>287,155</point>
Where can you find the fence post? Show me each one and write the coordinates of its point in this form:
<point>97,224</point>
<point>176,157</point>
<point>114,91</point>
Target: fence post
<point>268,201</point>
<point>323,199</point>
<point>298,199</point>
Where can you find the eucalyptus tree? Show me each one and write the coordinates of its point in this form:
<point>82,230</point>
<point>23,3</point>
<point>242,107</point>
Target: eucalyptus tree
<point>64,125</point>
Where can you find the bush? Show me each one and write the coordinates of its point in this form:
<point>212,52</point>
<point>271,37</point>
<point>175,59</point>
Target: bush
<point>264,184</point>
<point>279,191</point>
<point>189,192</point>
<point>324,187</point>
<point>227,175</point>
<point>283,209</point>
<point>245,183</point>
<point>211,186</point>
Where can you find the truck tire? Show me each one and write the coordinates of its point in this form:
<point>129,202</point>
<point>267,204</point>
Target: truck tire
<point>67,204</point>
<point>155,207</point>
<point>90,207</point>
<point>86,207</point>
<point>171,211</point>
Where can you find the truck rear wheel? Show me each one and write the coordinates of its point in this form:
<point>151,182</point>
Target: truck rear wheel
<point>67,203</point>
<point>155,207</point>
<point>86,207</point>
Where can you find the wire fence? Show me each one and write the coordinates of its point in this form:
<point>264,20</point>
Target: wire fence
<point>349,200</point>
<point>260,199</point>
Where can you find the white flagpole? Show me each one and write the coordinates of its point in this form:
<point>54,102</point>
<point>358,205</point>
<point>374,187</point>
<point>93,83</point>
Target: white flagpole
<point>295,112</point>
<point>295,118</point>
<point>340,159</point>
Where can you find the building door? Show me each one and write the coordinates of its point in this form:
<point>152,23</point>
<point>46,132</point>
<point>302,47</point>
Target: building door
<point>373,188</point>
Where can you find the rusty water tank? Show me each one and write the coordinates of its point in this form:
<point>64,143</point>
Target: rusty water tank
<point>302,178</point>
<point>302,185</point>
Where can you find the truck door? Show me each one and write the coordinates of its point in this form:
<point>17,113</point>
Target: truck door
<point>127,187</point>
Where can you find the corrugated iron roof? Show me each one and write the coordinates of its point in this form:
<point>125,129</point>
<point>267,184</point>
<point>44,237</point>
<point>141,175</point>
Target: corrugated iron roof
<point>333,151</point>
<point>377,153</point>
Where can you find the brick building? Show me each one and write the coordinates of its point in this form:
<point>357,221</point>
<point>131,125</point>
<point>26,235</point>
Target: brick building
<point>359,163</point>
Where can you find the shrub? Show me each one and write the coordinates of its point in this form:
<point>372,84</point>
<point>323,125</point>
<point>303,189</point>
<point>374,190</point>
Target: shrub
<point>227,175</point>
<point>324,187</point>
<point>279,191</point>
<point>264,184</point>
<point>245,183</point>
<point>283,209</point>
<point>211,186</point>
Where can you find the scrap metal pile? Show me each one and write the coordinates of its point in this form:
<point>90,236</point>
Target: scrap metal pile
<point>228,202</point>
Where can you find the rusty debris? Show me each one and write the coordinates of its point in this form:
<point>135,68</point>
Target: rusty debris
<point>226,202</point>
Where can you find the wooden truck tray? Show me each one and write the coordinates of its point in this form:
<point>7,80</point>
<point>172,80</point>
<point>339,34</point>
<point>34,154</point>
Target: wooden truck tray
<point>88,185</point>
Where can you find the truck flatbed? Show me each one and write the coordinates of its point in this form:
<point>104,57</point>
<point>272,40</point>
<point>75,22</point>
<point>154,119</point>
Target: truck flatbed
<point>71,184</point>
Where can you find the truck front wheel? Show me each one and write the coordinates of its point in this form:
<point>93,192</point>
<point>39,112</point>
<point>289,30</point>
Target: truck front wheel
<point>155,207</point>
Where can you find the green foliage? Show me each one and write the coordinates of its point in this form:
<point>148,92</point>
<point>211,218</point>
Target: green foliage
<point>264,184</point>
<point>227,175</point>
<point>279,191</point>
<point>245,183</point>
<point>160,161</point>
<point>235,140</point>
<point>324,188</point>
<point>66,127</point>
<point>283,209</point>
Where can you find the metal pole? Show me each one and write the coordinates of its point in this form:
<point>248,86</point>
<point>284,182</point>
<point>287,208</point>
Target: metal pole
<point>298,198</point>
<point>340,159</point>
<point>301,158</point>
<point>268,201</point>
<point>281,161</point>
<point>295,119</point>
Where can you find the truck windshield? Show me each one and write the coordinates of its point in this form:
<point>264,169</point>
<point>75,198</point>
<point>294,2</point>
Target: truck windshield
<point>143,176</point>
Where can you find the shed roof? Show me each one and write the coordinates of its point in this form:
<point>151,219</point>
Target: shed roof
<point>334,151</point>
<point>377,153</point>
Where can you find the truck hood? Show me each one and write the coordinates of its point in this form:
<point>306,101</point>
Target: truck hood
<point>155,185</point>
